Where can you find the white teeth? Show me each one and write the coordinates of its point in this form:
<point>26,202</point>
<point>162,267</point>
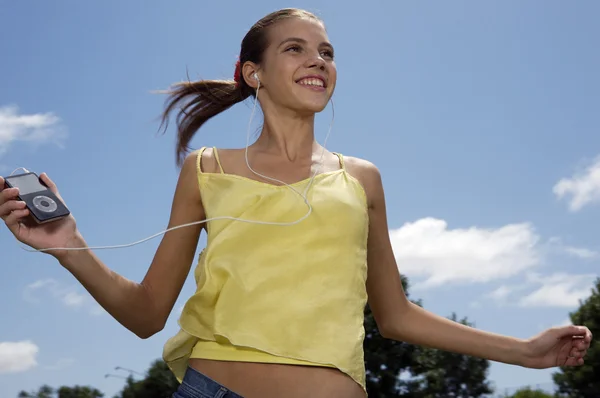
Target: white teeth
<point>312,82</point>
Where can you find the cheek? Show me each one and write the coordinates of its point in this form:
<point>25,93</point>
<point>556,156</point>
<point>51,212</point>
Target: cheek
<point>284,78</point>
<point>332,78</point>
<point>332,70</point>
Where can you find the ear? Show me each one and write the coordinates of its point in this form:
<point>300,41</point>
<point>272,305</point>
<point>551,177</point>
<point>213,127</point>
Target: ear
<point>248,71</point>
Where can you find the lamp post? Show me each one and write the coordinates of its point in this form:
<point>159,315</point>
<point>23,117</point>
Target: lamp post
<point>128,370</point>
<point>106,376</point>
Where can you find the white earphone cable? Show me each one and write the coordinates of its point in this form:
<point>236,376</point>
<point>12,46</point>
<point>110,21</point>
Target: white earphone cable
<point>303,195</point>
<point>19,168</point>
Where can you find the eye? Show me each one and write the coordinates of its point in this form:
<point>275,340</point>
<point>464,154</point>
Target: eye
<point>294,48</point>
<point>327,53</point>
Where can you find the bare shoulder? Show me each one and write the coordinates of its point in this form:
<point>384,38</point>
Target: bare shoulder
<point>360,166</point>
<point>367,174</point>
<point>187,185</point>
<point>208,160</point>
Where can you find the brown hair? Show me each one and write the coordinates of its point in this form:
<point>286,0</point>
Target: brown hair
<point>207,98</point>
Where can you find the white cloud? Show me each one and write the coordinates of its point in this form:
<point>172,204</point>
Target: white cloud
<point>37,128</point>
<point>558,290</point>
<point>581,252</point>
<point>501,293</point>
<point>556,245</point>
<point>583,187</point>
<point>18,356</point>
<point>433,255</point>
<point>73,299</point>
<point>67,295</point>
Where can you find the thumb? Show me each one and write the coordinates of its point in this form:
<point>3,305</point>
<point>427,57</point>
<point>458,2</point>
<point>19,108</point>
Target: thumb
<point>49,183</point>
<point>51,186</point>
<point>571,330</point>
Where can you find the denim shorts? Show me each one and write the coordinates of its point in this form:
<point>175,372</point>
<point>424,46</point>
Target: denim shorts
<point>197,385</point>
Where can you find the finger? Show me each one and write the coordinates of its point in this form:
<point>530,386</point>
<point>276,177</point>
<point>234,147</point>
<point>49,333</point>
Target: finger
<point>49,183</point>
<point>564,354</point>
<point>572,330</point>
<point>572,361</point>
<point>14,220</point>
<point>8,195</point>
<point>1,183</point>
<point>577,353</point>
<point>582,345</point>
<point>588,336</point>
<point>8,207</point>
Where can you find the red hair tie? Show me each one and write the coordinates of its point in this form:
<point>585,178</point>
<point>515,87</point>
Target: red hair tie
<point>237,73</point>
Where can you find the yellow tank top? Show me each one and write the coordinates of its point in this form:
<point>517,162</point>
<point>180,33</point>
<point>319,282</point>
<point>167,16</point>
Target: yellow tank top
<point>281,294</point>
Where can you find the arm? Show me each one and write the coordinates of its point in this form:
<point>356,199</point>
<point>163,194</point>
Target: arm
<point>399,319</point>
<point>144,307</point>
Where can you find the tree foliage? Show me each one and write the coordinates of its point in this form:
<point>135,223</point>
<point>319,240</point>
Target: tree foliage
<point>584,381</point>
<point>386,359</point>
<point>398,369</point>
<point>46,391</point>
<point>527,392</point>
<point>158,383</point>
<point>447,374</point>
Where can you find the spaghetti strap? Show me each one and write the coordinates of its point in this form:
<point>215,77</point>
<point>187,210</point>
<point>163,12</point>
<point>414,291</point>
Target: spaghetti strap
<point>199,160</point>
<point>216,154</point>
<point>341,158</point>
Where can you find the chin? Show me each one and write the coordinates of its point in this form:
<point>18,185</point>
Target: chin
<point>310,103</point>
<point>312,107</point>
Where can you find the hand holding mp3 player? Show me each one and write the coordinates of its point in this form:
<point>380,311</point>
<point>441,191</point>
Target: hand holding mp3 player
<point>44,206</point>
<point>34,211</point>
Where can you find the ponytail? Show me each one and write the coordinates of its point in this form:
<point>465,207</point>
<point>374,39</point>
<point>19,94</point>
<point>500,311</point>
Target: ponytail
<point>202,100</point>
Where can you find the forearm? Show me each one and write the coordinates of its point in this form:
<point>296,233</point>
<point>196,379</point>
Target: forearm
<point>126,301</point>
<point>420,327</point>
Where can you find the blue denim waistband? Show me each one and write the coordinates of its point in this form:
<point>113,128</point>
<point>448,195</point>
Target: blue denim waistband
<point>197,385</point>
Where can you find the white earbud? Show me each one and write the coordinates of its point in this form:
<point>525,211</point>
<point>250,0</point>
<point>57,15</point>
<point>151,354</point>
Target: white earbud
<point>255,76</point>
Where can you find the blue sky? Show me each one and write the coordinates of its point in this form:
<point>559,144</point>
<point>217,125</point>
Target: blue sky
<point>482,116</point>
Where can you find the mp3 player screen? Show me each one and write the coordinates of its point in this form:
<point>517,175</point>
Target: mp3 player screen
<point>27,184</point>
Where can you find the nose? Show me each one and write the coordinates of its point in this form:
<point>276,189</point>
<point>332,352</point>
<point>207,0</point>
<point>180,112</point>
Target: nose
<point>316,62</point>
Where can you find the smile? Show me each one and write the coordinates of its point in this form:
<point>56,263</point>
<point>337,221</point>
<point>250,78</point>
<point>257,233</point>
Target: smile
<point>313,82</point>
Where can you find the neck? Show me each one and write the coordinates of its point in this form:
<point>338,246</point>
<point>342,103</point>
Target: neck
<point>288,136</point>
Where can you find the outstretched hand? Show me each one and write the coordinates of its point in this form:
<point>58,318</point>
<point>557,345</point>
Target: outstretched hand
<point>558,346</point>
<point>15,215</point>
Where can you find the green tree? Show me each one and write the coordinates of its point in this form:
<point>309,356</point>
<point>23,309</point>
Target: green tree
<point>398,369</point>
<point>79,392</point>
<point>46,391</point>
<point>130,390</point>
<point>527,392</point>
<point>584,381</point>
<point>446,374</point>
<point>158,383</point>
<point>386,360</point>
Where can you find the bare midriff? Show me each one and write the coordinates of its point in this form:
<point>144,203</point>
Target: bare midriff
<point>268,380</point>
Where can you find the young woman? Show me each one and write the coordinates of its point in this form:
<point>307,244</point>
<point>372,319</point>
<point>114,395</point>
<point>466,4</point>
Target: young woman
<point>278,310</point>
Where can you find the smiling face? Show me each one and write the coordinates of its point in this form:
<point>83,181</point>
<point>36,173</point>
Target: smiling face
<point>297,70</point>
